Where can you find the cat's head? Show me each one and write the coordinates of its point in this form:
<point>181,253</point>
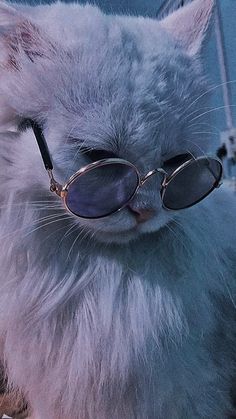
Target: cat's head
<point>130,87</point>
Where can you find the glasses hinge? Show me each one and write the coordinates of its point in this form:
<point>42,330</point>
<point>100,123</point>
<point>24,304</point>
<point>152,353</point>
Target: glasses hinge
<point>54,185</point>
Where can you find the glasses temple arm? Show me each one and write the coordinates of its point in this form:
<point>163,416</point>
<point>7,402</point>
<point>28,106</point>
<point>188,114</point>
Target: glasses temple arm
<point>44,151</point>
<point>43,148</point>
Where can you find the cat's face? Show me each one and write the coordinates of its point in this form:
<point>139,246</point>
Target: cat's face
<point>124,87</point>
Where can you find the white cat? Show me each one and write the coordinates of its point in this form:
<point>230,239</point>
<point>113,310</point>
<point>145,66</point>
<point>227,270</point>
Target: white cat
<point>131,316</point>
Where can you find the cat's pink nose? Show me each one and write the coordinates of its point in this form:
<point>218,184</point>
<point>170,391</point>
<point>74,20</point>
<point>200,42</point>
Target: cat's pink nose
<point>141,214</point>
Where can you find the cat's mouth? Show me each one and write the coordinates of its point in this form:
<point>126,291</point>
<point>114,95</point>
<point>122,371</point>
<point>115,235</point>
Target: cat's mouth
<point>123,229</point>
<point>129,234</point>
<point>109,233</point>
<point>118,236</point>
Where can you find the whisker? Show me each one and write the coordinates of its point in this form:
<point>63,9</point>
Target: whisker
<point>230,294</point>
<point>210,111</point>
<point>39,210</point>
<point>74,242</point>
<point>196,111</point>
<point>43,205</point>
<point>199,124</point>
<point>46,217</point>
<point>176,236</point>
<point>26,227</point>
<point>205,132</point>
<point>203,152</point>
<point>54,232</point>
<point>47,224</point>
<point>211,89</point>
<point>68,233</point>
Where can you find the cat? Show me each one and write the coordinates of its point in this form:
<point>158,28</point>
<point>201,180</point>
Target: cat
<point>131,316</point>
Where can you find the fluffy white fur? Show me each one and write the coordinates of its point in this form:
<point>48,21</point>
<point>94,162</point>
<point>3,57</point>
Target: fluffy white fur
<point>105,319</point>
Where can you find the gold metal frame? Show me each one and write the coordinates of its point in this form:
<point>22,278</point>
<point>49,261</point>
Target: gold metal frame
<point>179,169</point>
<point>62,191</point>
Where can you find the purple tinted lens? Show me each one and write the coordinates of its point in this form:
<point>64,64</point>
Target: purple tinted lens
<point>102,190</point>
<point>192,183</point>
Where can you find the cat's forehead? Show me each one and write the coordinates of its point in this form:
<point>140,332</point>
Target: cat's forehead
<point>125,61</point>
<point>125,46</point>
<point>119,81</point>
<point>124,91</point>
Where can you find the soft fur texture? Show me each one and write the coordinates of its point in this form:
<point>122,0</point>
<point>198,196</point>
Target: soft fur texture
<point>105,319</point>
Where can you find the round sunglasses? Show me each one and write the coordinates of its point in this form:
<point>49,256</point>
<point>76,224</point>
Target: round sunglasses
<point>106,186</point>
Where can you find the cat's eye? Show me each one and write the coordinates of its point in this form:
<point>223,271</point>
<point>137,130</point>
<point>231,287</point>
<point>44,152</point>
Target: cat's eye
<point>177,160</point>
<point>96,154</point>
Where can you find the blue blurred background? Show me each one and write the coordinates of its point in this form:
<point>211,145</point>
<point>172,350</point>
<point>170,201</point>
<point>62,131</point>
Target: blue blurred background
<point>217,119</point>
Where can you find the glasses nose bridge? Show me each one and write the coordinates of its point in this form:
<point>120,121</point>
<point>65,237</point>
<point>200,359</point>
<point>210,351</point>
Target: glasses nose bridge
<point>151,173</point>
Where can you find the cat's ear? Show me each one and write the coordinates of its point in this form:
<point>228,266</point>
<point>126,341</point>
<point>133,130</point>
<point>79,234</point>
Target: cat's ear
<point>19,36</point>
<point>188,25</point>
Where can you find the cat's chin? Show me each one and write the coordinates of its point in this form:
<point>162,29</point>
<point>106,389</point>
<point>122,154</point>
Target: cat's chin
<point>117,237</point>
<point>126,236</point>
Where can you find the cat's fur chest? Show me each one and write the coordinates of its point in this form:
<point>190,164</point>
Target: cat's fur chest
<point>132,326</point>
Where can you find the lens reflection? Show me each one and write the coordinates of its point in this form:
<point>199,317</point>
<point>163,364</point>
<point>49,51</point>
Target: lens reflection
<point>192,183</point>
<point>102,190</point>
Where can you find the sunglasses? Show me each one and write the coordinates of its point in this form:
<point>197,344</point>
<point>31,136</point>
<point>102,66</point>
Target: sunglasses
<point>106,186</point>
